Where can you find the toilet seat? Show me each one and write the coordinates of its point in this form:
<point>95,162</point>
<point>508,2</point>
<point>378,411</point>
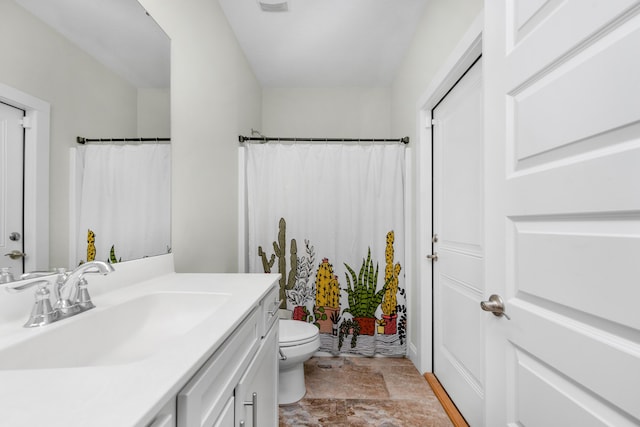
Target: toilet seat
<point>296,332</point>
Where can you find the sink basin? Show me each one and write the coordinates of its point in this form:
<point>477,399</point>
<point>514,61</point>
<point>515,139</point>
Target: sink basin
<point>123,333</point>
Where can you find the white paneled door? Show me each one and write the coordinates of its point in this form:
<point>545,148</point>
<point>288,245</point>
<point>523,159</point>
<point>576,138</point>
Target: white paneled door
<point>11,188</point>
<point>458,242</point>
<point>562,187</point>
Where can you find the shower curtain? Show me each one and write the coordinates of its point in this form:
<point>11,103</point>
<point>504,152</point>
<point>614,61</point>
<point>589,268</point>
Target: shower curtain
<point>122,201</point>
<point>330,219</point>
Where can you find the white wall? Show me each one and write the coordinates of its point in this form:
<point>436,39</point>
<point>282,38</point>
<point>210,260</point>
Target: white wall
<point>214,97</point>
<point>443,24</point>
<point>86,99</point>
<point>154,113</point>
<point>327,112</point>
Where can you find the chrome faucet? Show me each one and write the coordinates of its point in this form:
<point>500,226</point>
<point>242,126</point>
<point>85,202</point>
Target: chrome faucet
<point>63,304</point>
<point>69,290</point>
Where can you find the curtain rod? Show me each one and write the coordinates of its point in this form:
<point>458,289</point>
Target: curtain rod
<point>265,139</point>
<point>82,140</point>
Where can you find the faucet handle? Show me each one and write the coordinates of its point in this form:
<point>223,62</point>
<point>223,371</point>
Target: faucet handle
<point>5,276</point>
<point>25,286</point>
<point>83,299</point>
<point>35,274</point>
<point>42,312</point>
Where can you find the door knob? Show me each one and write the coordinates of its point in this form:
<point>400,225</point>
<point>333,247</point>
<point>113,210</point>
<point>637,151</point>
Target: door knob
<point>16,254</point>
<point>433,256</point>
<point>495,305</point>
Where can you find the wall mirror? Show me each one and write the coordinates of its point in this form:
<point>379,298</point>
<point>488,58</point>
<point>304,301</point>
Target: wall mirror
<point>102,70</point>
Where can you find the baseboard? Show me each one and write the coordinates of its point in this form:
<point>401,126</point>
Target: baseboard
<point>454,415</point>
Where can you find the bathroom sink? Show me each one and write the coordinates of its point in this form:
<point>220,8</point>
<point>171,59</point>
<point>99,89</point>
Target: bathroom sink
<point>120,334</point>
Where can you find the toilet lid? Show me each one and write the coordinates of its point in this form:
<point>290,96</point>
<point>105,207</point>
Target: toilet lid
<point>296,332</point>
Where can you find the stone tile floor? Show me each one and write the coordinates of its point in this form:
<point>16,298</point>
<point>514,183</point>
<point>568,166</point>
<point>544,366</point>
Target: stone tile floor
<point>355,391</point>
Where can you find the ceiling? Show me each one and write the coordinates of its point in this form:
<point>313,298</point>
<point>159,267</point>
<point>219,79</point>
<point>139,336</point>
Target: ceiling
<point>118,33</point>
<point>316,43</point>
<point>325,43</point>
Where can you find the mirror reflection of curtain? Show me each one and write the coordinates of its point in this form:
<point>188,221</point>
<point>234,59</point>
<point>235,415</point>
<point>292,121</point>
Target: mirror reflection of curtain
<point>123,197</point>
<point>337,201</point>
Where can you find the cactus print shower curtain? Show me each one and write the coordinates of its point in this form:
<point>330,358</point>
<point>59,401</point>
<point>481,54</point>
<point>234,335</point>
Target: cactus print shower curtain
<point>122,202</point>
<point>330,219</point>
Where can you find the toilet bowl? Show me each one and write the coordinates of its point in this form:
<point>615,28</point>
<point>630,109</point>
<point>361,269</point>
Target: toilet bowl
<point>298,341</point>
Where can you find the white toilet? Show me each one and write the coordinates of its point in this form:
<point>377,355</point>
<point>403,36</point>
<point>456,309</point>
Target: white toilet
<point>298,341</point>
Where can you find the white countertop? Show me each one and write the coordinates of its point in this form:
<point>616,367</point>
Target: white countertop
<point>126,394</point>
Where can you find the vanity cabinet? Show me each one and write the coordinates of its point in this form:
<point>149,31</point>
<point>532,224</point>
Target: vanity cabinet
<point>221,393</point>
<point>167,416</point>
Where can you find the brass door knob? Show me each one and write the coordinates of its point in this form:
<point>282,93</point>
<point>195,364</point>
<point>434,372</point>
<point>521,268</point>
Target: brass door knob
<point>16,254</point>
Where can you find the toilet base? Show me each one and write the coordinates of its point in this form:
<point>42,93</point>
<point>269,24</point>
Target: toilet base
<point>291,387</point>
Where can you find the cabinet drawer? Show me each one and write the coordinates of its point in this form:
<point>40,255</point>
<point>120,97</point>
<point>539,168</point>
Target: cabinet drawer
<point>204,397</point>
<point>269,306</point>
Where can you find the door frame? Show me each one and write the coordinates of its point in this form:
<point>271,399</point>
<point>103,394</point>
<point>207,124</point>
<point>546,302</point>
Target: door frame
<point>36,176</point>
<point>461,58</point>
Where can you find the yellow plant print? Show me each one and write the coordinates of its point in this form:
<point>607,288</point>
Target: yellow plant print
<point>327,286</point>
<point>391,274</point>
<point>91,246</point>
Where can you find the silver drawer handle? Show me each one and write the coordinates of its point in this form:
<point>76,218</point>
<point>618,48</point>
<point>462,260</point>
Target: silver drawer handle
<point>254,409</point>
<point>276,306</point>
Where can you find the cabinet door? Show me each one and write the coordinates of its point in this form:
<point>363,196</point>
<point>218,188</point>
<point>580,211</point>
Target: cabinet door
<point>201,401</point>
<point>226,416</point>
<point>260,378</point>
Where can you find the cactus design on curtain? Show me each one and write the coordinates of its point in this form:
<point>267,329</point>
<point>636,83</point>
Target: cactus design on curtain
<point>91,245</point>
<point>280,248</point>
<point>346,203</point>
<point>361,315</point>
<point>91,250</point>
<point>327,297</point>
<point>388,323</point>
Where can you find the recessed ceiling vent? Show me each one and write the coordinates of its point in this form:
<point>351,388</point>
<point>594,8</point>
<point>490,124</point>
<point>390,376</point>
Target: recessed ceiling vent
<point>274,5</point>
